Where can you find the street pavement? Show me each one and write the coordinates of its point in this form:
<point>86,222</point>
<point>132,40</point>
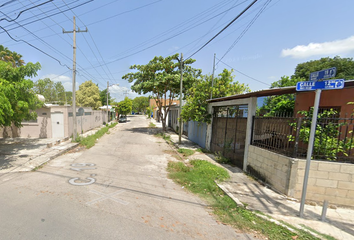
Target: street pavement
<point>254,195</point>
<point>118,189</point>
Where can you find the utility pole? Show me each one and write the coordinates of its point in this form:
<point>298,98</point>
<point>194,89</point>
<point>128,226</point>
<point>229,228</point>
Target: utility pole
<point>74,75</point>
<point>180,101</point>
<point>107,101</point>
<point>212,79</point>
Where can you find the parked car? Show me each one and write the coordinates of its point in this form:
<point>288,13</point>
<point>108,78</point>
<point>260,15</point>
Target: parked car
<point>122,118</point>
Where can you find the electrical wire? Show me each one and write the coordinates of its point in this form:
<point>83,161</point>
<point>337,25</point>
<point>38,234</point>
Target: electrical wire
<point>246,29</point>
<point>242,73</point>
<point>223,29</point>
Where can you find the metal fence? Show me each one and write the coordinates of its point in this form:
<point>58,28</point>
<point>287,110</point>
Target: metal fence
<point>289,136</point>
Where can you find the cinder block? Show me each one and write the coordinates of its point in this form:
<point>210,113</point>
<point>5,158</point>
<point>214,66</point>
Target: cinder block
<point>316,189</point>
<point>319,174</point>
<point>347,168</point>
<point>350,194</point>
<point>339,176</point>
<point>336,192</point>
<point>329,167</point>
<point>346,185</point>
<point>326,183</point>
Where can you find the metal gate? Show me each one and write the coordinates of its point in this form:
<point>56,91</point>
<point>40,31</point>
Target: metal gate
<point>229,132</point>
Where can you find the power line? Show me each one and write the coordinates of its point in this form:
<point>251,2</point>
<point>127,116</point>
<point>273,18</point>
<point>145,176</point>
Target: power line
<point>20,40</point>
<point>243,73</point>
<point>246,29</point>
<point>223,28</point>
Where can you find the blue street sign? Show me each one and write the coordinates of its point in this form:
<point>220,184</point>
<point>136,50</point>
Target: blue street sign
<point>323,74</point>
<point>324,85</point>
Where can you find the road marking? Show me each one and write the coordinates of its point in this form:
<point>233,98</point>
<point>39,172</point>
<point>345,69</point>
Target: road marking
<point>107,196</point>
<point>91,180</point>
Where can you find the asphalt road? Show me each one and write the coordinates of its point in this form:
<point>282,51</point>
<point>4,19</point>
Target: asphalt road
<point>118,189</point>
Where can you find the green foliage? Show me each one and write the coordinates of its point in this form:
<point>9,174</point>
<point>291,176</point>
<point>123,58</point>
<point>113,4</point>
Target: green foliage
<point>88,95</point>
<point>90,141</point>
<point>53,92</point>
<point>345,67</point>
<point>69,97</point>
<point>152,125</point>
<point>161,78</point>
<point>285,103</point>
<point>200,179</point>
<point>103,97</point>
<point>196,107</point>
<point>140,104</point>
<point>326,142</point>
<point>220,158</point>
<point>186,152</point>
<point>17,99</point>
<point>125,107</point>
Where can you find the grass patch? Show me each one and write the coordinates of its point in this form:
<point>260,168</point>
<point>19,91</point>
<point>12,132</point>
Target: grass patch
<point>185,152</point>
<point>324,236</point>
<point>220,158</point>
<point>152,125</point>
<point>199,178</point>
<point>164,136</point>
<point>90,141</point>
<point>203,150</point>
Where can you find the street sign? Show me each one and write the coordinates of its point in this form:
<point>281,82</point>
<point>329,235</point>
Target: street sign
<point>323,74</point>
<point>324,85</point>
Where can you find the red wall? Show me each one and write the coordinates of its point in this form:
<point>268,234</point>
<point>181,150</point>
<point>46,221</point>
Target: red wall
<point>329,98</point>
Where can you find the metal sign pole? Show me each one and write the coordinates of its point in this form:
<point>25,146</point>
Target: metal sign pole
<point>309,150</point>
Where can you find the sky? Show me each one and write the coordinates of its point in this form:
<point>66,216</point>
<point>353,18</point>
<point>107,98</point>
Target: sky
<point>262,45</point>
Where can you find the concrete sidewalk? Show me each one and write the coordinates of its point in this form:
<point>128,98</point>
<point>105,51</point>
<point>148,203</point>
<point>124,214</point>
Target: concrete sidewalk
<point>254,195</point>
<point>25,154</point>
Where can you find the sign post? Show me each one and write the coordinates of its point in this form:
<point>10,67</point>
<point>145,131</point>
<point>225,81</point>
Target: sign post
<point>318,86</point>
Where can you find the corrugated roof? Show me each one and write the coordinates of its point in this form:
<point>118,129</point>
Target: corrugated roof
<point>268,92</point>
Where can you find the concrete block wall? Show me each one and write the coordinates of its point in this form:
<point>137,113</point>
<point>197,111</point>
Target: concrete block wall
<point>330,181</point>
<point>275,168</point>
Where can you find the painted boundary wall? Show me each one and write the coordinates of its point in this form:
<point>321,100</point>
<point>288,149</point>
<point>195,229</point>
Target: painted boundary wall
<point>330,181</point>
<point>197,132</point>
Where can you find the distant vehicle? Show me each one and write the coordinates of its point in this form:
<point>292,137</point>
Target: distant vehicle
<point>122,118</point>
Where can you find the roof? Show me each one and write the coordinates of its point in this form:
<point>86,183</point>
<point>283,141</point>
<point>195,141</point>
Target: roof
<point>269,92</point>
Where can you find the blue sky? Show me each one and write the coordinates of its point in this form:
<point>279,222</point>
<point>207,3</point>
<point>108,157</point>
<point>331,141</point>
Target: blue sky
<point>127,32</point>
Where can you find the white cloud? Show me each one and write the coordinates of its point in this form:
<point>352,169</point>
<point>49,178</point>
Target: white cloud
<point>173,49</point>
<point>58,78</point>
<point>325,48</point>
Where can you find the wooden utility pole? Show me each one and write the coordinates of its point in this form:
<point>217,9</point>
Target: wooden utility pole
<point>180,102</point>
<point>74,75</point>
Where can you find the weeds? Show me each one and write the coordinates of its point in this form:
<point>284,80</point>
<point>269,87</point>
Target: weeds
<point>152,125</point>
<point>90,141</point>
<point>185,152</point>
<point>200,179</point>
<point>220,158</point>
<point>203,150</point>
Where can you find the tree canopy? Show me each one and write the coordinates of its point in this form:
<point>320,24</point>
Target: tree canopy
<point>345,67</point>
<point>17,100</point>
<point>88,95</point>
<point>140,104</point>
<point>161,78</point>
<point>103,97</point>
<point>53,92</point>
<point>125,107</point>
<point>195,108</point>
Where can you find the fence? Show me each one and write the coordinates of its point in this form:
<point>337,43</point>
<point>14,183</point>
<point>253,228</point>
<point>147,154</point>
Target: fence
<point>289,136</point>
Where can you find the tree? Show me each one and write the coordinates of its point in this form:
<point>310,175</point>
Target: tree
<point>161,78</point>
<point>12,57</point>
<point>140,104</point>
<point>103,97</point>
<point>125,107</point>
<point>88,95</point>
<point>52,92</point>
<point>195,108</point>
<point>345,67</point>
<point>280,104</point>
<point>17,99</point>
<point>69,97</point>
